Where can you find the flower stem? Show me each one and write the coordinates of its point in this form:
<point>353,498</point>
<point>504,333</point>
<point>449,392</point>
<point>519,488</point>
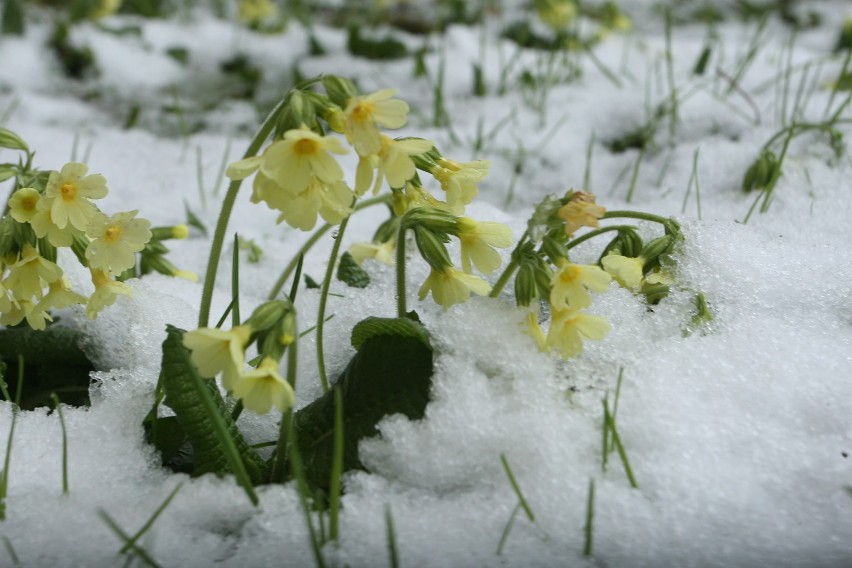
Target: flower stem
<point>276,289</point>
<point>280,456</point>
<point>401,308</point>
<point>225,215</point>
<point>595,233</point>
<point>510,269</point>
<point>326,283</point>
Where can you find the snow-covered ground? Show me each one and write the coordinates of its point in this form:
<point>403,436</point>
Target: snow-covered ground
<point>739,434</point>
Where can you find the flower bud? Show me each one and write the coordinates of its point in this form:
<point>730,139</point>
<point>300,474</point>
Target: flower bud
<point>433,219</point>
<point>297,111</point>
<point>761,173</point>
<point>338,89</point>
<point>431,247</point>
<point>268,314</point>
<point>9,139</point>
<point>525,285</point>
<point>655,249</point>
<point>171,232</point>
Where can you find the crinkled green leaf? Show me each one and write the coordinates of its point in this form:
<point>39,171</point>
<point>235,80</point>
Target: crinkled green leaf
<point>207,424</point>
<point>390,374</point>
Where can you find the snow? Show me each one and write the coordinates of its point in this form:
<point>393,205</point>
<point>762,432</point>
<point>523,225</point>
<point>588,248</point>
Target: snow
<point>738,433</point>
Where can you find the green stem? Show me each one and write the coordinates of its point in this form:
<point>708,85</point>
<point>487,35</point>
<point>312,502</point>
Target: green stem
<point>640,215</point>
<point>276,289</point>
<point>280,456</point>
<point>400,270</point>
<point>510,269</point>
<point>595,233</point>
<point>225,215</point>
<point>326,283</point>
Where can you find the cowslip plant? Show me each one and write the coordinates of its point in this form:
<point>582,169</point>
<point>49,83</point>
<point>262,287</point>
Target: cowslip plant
<point>294,160</point>
<point>52,210</point>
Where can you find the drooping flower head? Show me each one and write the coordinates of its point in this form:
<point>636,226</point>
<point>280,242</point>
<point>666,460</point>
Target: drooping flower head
<point>581,211</point>
<point>262,388</point>
<point>626,270</point>
<point>107,291</point>
<point>450,286</point>
<point>217,350</point>
<point>568,328</point>
<point>30,274</point>
<point>571,284</point>
<point>478,240</point>
<point>459,180</point>
<point>22,204</point>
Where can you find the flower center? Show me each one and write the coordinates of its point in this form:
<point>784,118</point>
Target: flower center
<point>112,233</point>
<point>28,203</point>
<point>570,273</point>
<point>306,147</point>
<point>68,191</point>
<point>362,112</point>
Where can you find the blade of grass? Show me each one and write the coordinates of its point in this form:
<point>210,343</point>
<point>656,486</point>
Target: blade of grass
<point>507,529</point>
<point>7,544</point>
<point>587,172</point>
<point>521,500</point>
<point>199,176</point>
<point>393,551</point>
<point>235,282</point>
<point>223,164</point>
<point>616,440</point>
<point>302,488</point>
<point>58,405</point>
<point>588,528</point>
<point>137,550</point>
<point>131,542</point>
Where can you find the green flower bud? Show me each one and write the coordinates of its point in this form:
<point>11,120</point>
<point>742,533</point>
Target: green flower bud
<point>7,171</point>
<point>172,232</point>
<point>9,139</point>
<point>433,219</point>
<point>525,285</point>
<point>431,247</point>
<point>269,314</point>
<point>655,249</point>
<point>297,111</point>
<point>760,174</point>
<point>554,247</point>
<point>339,90</point>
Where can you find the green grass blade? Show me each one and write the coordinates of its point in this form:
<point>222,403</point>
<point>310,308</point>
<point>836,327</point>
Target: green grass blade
<point>507,529</point>
<point>336,468</point>
<point>393,551</point>
<point>235,283</point>
<point>131,542</point>
<point>7,544</point>
<point>588,528</point>
<point>58,405</point>
<point>517,488</point>
<point>137,550</point>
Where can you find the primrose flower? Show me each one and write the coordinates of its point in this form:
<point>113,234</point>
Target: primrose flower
<point>450,286</point>
<point>43,225</point>
<point>393,162</point>
<point>106,292</point>
<point>302,153</point>
<point>262,388</point>
<point>216,350</point>
<point>569,327</point>
<point>571,284</point>
<point>30,274</point>
<point>24,308</point>
<point>535,331</point>
<point>627,271</point>
<point>22,204</point>
<point>364,114</point>
<point>382,252</point>
<point>60,295</point>
<point>478,241</point>
<point>581,211</point>
<point>242,169</point>
<point>459,180</point>
<point>255,11</point>
<point>333,202</point>
<point>557,14</point>
<point>69,193</point>
<point>117,239</point>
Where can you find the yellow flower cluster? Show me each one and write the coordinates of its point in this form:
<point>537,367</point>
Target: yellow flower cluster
<point>63,215</point>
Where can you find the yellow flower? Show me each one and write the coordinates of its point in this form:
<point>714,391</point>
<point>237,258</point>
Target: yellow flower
<point>262,388</point>
<point>571,284</point>
<point>44,226</point>
<point>569,327</point>
<point>103,9</point>
<point>217,350</point>
<point>5,299</point>
<point>627,271</point>
<point>22,204</point>
<point>364,114</point>
<point>106,292</point>
<point>255,11</point>
<point>450,286</point>
<point>477,242</point>
<point>301,155</point>
<point>393,161</point>
<point>557,14</point>
<point>581,211</point>
<point>70,193</point>
<point>242,169</point>
<point>116,240</point>
<point>382,252</point>
<point>459,180</point>
<point>333,202</point>
<point>24,308</point>
<point>30,274</point>
<point>60,295</point>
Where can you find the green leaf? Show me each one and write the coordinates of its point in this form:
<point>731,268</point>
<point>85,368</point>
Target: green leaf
<point>217,445</point>
<point>12,22</point>
<point>390,374</point>
<point>385,48</point>
<point>193,221</point>
<point>348,271</point>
